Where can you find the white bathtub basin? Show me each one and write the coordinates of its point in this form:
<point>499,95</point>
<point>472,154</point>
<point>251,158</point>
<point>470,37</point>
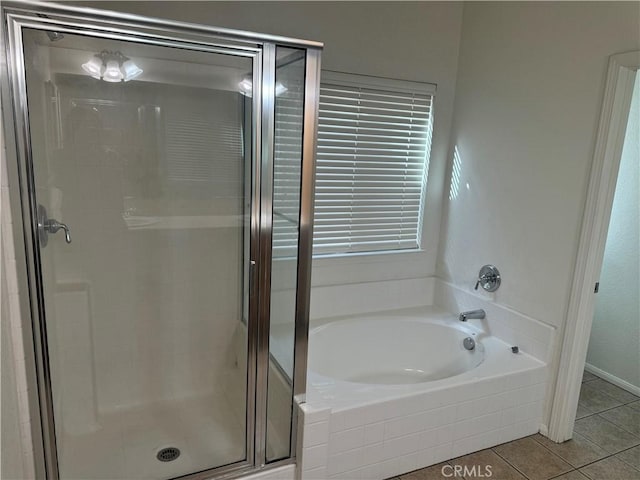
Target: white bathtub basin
<point>403,380</point>
<point>392,350</point>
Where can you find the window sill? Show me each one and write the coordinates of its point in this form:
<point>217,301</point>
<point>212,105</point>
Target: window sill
<point>373,254</point>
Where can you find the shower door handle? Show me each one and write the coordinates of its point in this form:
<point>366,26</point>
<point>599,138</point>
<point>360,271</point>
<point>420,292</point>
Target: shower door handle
<point>50,225</point>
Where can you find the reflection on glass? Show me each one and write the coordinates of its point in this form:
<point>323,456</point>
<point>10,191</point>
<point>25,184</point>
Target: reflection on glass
<point>144,308</point>
<point>289,105</point>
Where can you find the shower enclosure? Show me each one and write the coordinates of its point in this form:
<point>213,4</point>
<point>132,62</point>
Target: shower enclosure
<point>166,179</point>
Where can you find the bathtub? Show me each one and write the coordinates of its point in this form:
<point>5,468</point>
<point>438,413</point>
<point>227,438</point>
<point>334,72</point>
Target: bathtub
<point>392,392</point>
<point>393,350</point>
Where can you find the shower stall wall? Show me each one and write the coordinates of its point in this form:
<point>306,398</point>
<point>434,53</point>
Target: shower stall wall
<point>166,183</point>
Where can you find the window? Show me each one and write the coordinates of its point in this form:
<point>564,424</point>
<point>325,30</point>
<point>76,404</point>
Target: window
<point>374,139</point>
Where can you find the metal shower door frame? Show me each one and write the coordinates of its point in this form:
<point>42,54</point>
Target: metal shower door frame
<point>18,15</point>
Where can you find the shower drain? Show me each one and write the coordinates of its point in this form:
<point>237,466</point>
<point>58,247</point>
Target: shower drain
<point>168,454</point>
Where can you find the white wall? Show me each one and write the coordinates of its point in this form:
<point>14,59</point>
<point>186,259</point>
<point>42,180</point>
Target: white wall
<point>528,97</point>
<point>411,41</point>
<point>11,461</point>
<point>18,393</point>
<point>614,346</point>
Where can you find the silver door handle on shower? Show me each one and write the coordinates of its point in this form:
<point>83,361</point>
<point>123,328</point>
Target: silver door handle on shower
<point>50,225</point>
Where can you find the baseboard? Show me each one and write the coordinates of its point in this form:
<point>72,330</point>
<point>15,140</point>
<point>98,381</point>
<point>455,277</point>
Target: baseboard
<point>618,382</point>
<point>544,430</point>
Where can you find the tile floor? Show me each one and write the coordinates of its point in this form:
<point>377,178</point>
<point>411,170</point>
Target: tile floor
<point>605,445</point>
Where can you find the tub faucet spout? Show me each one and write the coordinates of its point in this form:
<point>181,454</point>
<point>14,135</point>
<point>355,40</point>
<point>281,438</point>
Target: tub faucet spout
<point>464,316</point>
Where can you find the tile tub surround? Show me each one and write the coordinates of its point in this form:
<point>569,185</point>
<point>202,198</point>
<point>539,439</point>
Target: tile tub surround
<point>532,458</point>
<point>523,459</point>
<point>531,335</point>
<point>375,431</point>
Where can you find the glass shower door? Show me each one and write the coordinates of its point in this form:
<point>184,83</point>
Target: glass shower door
<point>142,168</point>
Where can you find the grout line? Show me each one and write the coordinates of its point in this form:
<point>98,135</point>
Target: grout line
<point>601,411</point>
<point>617,426</point>
<point>609,395</point>
<point>595,461</point>
<point>566,473</point>
<point>590,415</point>
<point>612,398</point>
<point>627,463</point>
<point>626,450</point>
<point>573,468</point>
<point>448,462</point>
<point>622,404</point>
<point>608,456</point>
<point>508,462</point>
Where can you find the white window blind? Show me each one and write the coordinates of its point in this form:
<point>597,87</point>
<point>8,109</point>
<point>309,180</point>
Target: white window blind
<point>203,140</point>
<point>374,140</point>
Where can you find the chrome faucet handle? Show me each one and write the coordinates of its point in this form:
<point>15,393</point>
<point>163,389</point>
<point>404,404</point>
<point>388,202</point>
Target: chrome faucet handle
<point>50,225</point>
<point>489,278</point>
<point>67,233</point>
<point>485,278</point>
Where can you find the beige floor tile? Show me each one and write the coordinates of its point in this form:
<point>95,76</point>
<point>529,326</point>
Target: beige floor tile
<point>587,377</point>
<point>578,451</point>
<point>610,469</point>
<point>631,456</point>
<point>613,391</point>
<point>532,459</point>
<point>605,434</point>
<point>574,475</point>
<point>595,399</point>
<point>583,411</point>
<point>434,472</point>
<point>625,417</point>
<point>488,464</point>
<point>635,405</point>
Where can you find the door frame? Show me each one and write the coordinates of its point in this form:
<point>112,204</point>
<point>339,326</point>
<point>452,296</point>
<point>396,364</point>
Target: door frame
<point>16,15</point>
<point>595,225</point>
